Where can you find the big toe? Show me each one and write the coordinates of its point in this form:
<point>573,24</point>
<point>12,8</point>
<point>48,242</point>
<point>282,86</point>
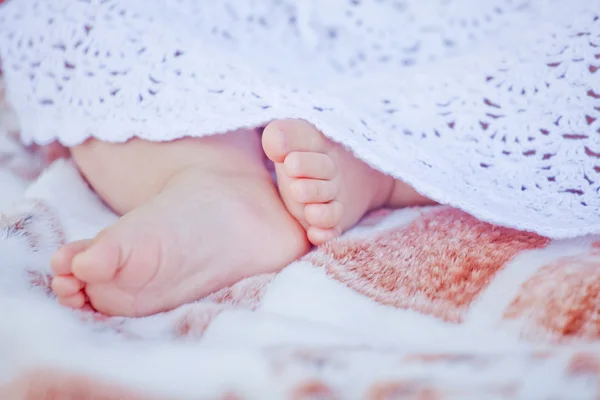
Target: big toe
<point>62,259</point>
<point>99,262</point>
<point>285,136</point>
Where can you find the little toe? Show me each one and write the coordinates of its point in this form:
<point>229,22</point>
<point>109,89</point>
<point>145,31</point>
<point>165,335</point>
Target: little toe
<point>318,236</point>
<point>62,259</point>
<point>324,216</point>
<point>313,191</point>
<point>74,301</point>
<point>65,286</point>
<point>309,165</point>
<point>99,262</point>
<point>285,136</point>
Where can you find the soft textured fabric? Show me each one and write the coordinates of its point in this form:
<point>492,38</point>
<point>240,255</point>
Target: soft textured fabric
<point>491,106</point>
<point>412,304</point>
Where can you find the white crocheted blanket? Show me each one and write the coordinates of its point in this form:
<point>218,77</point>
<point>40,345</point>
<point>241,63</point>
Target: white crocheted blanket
<point>411,304</point>
<point>491,106</point>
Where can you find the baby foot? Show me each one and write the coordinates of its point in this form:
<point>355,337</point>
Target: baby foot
<point>210,227</point>
<point>324,186</point>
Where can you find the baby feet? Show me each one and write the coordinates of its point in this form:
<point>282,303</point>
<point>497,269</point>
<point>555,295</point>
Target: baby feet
<point>202,214</point>
<point>215,222</point>
<point>324,186</point>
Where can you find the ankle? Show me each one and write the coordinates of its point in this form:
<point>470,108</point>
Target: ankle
<point>384,192</point>
<point>403,195</point>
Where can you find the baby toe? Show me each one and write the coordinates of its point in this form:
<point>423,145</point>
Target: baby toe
<point>318,236</point>
<point>62,259</point>
<point>285,136</point>
<point>65,286</point>
<point>99,262</point>
<point>313,191</point>
<point>324,216</point>
<point>309,165</point>
<point>76,300</point>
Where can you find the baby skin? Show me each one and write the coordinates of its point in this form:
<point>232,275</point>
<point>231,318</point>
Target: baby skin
<point>199,214</point>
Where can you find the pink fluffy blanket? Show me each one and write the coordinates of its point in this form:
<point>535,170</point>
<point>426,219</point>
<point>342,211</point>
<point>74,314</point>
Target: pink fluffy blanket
<point>411,304</point>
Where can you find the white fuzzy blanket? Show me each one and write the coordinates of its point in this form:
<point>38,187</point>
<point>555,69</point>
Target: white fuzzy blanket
<point>411,304</point>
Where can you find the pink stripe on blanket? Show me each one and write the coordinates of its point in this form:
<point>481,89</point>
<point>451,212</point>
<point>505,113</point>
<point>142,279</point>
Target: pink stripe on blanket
<point>586,366</point>
<point>562,300</point>
<point>421,390</point>
<point>49,384</point>
<point>313,389</point>
<point>582,364</point>
<point>403,390</point>
<point>437,265</point>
